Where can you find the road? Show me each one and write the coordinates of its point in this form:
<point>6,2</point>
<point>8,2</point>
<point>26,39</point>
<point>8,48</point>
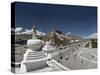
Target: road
<point>85,59</point>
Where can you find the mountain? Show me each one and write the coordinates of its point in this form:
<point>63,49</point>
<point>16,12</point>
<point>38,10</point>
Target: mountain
<point>74,37</point>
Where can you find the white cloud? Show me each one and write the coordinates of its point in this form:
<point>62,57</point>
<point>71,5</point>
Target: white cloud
<point>40,33</point>
<point>93,35</point>
<point>27,31</point>
<point>18,29</point>
<point>68,33</point>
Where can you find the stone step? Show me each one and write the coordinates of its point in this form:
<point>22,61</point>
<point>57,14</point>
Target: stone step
<point>35,55</point>
<point>33,52</point>
<point>32,58</point>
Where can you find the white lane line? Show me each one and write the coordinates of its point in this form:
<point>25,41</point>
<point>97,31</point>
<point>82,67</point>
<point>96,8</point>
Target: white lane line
<point>87,59</point>
<point>93,54</point>
<point>86,50</point>
<point>89,52</point>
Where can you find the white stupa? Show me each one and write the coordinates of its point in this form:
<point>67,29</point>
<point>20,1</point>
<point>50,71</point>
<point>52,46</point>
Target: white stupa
<point>49,48</point>
<point>34,58</point>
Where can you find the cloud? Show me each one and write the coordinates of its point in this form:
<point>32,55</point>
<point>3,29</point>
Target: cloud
<point>27,31</point>
<point>20,30</point>
<point>68,33</point>
<point>40,33</point>
<point>93,35</point>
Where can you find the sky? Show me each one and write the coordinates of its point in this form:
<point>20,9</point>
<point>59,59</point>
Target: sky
<point>79,20</point>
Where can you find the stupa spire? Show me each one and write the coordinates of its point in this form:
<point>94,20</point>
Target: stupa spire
<point>34,32</point>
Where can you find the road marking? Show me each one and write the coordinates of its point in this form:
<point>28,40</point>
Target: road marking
<point>88,51</point>
<point>93,54</point>
<point>87,59</point>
